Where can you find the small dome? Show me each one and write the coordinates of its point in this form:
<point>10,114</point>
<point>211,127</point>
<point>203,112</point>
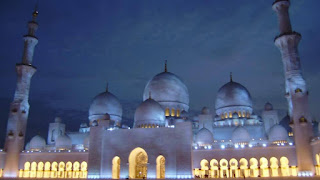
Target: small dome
<point>63,142</point>
<point>149,112</point>
<point>169,90</point>
<point>278,133</point>
<point>86,142</point>
<point>105,103</point>
<point>235,115</point>
<point>240,135</point>
<point>37,143</point>
<point>57,120</point>
<point>268,107</point>
<point>233,97</point>
<point>83,125</point>
<point>204,137</point>
<point>27,147</point>
<point>205,110</point>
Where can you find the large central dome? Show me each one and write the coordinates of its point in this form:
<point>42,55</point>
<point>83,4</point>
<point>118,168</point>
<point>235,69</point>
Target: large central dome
<point>169,90</point>
<point>233,97</point>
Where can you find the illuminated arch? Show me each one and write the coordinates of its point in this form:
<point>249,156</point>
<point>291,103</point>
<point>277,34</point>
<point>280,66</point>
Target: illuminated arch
<point>84,169</point>
<point>204,164</point>
<point>138,160</point>
<point>254,171</point>
<point>54,170</point>
<point>161,167</point>
<point>274,165</point>
<point>47,170</point>
<point>233,168</point>
<point>284,164</point>
<point>224,172</point>
<point>76,169</point>
<point>61,169</point>
<point>243,167</point>
<point>68,170</point>
<point>264,167</point>
<point>40,170</point>
<point>33,170</point>
<point>116,167</point>
<point>214,166</point>
<point>26,171</point>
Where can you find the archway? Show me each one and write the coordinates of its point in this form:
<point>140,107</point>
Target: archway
<point>224,172</point>
<point>40,170</point>
<point>138,160</point>
<point>284,163</point>
<point>204,168</point>
<point>116,167</point>
<point>76,169</point>
<point>243,167</point>
<point>214,169</point>
<point>47,170</point>
<point>61,169</point>
<point>161,167</point>
<point>233,168</point>
<point>84,169</point>
<point>33,172</point>
<point>26,171</point>
<point>54,170</point>
<point>274,167</point>
<point>68,170</point>
<point>254,171</point>
<point>264,167</point>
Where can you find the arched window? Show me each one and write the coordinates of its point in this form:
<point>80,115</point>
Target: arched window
<point>26,171</point>
<point>274,167</point>
<point>178,112</point>
<point>40,170</point>
<point>33,171</point>
<point>167,112</point>
<point>116,168</point>
<point>47,170</point>
<point>214,173</point>
<point>76,170</point>
<point>284,163</point>
<point>161,167</point>
<point>84,170</point>
<point>69,170</point>
<point>233,168</point>
<point>173,112</point>
<point>264,167</point>
<point>224,172</point>
<point>54,170</point>
<point>243,168</point>
<point>254,171</point>
<point>61,169</point>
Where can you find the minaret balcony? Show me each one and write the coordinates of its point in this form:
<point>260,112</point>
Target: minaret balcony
<point>287,33</point>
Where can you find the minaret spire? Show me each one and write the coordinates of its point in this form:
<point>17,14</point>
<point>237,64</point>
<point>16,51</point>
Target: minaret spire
<point>296,91</point>
<point>19,108</point>
<point>165,66</point>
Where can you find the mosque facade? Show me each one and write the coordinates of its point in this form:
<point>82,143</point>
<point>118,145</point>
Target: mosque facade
<point>165,140</point>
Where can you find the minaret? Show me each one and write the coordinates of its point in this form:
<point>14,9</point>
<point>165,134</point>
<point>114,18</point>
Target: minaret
<point>19,108</point>
<point>296,91</point>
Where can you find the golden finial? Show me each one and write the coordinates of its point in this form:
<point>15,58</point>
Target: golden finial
<point>35,12</point>
<point>165,66</point>
<point>231,77</point>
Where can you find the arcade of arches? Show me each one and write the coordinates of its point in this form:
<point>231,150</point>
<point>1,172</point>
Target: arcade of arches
<point>54,170</point>
<point>245,168</point>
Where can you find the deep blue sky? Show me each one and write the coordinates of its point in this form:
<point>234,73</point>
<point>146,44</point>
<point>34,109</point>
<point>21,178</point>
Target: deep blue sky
<point>84,44</point>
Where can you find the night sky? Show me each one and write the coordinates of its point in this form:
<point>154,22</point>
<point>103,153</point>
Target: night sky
<point>85,44</point>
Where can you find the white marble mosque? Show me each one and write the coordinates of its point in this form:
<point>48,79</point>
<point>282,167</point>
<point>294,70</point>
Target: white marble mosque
<point>231,142</point>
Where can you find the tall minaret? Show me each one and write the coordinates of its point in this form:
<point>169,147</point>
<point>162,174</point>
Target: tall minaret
<point>296,91</point>
<point>19,108</point>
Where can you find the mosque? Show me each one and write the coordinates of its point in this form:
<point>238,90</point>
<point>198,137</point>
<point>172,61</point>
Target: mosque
<point>231,142</point>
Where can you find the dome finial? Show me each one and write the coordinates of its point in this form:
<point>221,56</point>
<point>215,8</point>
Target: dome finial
<point>231,77</point>
<point>165,66</point>
<point>35,12</point>
<point>107,87</point>
<point>150,95</point>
